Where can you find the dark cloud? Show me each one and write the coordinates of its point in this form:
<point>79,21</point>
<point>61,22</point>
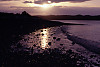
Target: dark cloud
<point>5,0</point>
<point>23,7</point>
<point>37,2</point>
<point>9,0</point>
<point>57,1</point>
<point>54,1</point>
<point>27,2</point>
<point>40,2</point>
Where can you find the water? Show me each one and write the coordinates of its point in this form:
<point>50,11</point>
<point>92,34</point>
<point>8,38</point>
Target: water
<point>44,39</point>
<point>52,40</point>
<point>90,31</point>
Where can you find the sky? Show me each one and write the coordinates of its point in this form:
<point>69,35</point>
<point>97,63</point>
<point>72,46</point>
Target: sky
<point>51,7</point>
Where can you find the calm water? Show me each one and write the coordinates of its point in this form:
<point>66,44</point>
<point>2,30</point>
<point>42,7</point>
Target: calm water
<point>91,31</point>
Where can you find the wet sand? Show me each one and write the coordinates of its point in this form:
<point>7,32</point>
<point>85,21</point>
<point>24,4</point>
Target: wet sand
<point>50,47</point>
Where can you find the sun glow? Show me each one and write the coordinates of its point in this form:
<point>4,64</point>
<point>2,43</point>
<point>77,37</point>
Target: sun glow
<point>44,39</point>
<point>49,1</point>
<point>45,5</point>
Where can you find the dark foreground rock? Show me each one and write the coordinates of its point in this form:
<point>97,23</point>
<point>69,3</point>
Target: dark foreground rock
<point>49,58</point>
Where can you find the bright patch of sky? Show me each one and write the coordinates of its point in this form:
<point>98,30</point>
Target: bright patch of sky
<point>45,7</point>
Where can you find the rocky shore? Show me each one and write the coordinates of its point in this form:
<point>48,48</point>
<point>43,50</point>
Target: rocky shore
<point>14,26</point>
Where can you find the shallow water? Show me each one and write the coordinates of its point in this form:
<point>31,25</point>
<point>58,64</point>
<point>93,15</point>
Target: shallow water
<point>53,39</point>
<point>44,39</point>
<point>89,31</point>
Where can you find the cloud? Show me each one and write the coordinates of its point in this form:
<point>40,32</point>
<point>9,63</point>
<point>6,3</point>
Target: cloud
<point>57,1</point>
<point>74,10</point>
<point>37,2</point>
<point>54,1</point>
<point>57,10</point>
<point>40,2</point>
<point>9,0</point>
<point>27,2</point>
<point>17,7</point>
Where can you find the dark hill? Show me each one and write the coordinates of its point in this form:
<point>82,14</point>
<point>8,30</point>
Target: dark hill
<point>71,17</point>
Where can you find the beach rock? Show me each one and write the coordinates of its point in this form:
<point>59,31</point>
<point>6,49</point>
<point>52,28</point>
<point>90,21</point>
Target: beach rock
<point>58,39</point>
<point>48,37</point>
<point>49,43</point>
<point>54,37</point>
<point>41,30</point>
<point>42,34</point>
<point>93,56</point>
<point>34,45</point>
<point>38,47</point>
<point>61,44</point>
<point>51,34</point>
<point>73,43</point>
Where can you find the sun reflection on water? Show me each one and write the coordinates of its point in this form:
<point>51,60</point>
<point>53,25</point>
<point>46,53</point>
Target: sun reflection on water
<point>44,39</point>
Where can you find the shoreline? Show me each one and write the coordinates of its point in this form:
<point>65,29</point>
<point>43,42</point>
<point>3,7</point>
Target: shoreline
<point>70,17</point>
<point>13,29</point>
<point>60,47</point>
<point>92,46</point>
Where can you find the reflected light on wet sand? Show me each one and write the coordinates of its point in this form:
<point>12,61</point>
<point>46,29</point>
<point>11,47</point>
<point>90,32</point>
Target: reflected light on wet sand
<point>44,39</point>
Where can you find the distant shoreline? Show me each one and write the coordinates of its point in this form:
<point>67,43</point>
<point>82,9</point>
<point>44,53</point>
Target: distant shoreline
<point>90,45</point>
<point>70,17</point>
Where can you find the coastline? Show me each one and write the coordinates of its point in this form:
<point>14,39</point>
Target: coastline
<point>12,31</point>
<point>88,44</point>
<point>71,17</point>
<point>57,45</point>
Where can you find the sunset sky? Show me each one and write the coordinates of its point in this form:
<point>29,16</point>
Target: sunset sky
<point>51,7</point>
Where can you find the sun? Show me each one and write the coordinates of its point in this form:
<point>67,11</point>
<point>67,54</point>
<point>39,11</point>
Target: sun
<point>46,5</point>
<point>49,2</point>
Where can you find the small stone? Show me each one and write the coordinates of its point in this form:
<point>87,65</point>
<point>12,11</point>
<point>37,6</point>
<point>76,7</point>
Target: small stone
<point>41,30</point>
<point>92,56</point>
<point>58,39</point>
<point>73,43</point>
<point>48,37</point>
<point>42,34</point>
<point>38,46</point>
<point>51,34</point>
<point>54,37</point>
<point>49,43</point>
<point>34,45</point>
<point>37,35</point>
<point>61,44</point>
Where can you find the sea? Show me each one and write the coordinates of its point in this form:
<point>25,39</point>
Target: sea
<point>83,40</point>
<point>86,37</point>
<point>89,31</point>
